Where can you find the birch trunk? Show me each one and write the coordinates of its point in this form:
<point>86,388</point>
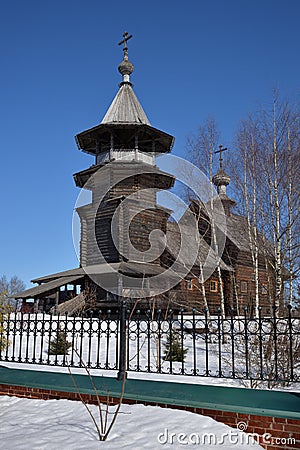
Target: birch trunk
<point>278,266</point>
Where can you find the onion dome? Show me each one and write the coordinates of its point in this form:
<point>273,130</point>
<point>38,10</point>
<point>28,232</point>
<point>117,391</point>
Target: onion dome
<point>126,68</point>
<point>221,180</point>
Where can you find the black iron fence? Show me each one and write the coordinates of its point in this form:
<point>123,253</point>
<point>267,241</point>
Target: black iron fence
<point>155,341</point>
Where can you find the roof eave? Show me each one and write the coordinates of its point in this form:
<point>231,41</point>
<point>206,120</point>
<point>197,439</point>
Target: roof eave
<point>86,140</point>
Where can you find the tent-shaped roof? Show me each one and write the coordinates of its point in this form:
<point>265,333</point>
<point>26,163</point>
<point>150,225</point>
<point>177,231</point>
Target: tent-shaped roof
<point>125,108</point>
<point>124,121</point>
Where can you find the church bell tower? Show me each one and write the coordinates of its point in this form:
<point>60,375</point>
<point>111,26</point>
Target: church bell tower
<point>124,180</point>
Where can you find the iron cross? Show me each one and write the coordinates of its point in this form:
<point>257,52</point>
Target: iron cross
<point>221,150</point>
<point>125,39</point>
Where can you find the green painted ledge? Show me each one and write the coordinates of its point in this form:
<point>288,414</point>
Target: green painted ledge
<point>248,401</point>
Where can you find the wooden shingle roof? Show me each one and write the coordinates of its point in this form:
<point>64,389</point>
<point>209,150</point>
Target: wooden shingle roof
<point>46,287</point>
<point>125,108</point>
<point>205,254</point>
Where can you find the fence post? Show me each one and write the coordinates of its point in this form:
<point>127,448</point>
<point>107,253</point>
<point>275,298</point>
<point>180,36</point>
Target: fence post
<point>275,337</point>
<point>122,345</point>
<point>291,356</point>
<point>246,342</point>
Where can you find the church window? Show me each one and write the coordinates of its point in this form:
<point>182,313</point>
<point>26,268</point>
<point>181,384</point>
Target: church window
<point>244,286</point>
<point>190,284</point>
<point>213,286</point>
<point>264,289</point>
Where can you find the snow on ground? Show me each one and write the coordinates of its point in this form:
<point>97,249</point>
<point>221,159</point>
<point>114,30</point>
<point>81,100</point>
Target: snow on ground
<point>28,424</point>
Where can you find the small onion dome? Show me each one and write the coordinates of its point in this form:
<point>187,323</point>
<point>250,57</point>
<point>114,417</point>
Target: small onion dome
<point>126,68</point>
<point>221,178</point>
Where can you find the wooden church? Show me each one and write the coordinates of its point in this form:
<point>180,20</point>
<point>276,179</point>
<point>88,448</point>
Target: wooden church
<point>129,246</point>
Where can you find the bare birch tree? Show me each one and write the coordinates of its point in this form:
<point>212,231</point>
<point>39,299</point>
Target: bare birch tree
<point>201,148</point>
<point>270,191</point>
<point>248,184</point>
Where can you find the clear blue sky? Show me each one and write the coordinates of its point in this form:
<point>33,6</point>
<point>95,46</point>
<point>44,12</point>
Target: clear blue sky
<point>58,75</point>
